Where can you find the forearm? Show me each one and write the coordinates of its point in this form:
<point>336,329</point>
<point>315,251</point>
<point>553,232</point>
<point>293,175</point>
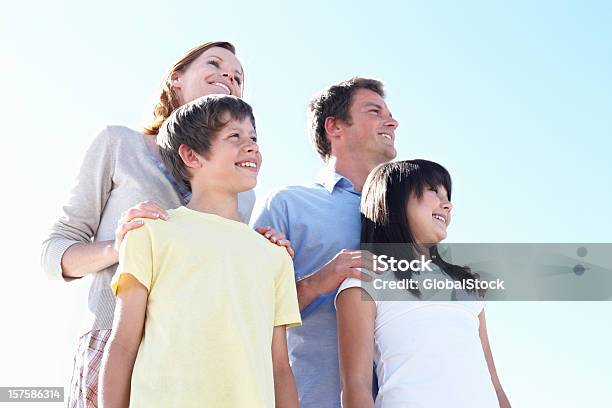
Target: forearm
<point>306,291</point>
<point>116,376</point>
<point>357,396</point>
<point>82,259</point>
<point>285,390</point>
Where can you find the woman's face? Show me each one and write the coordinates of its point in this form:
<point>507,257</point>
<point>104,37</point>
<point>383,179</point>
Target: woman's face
<point>429,216</point>
<point>215,71</point>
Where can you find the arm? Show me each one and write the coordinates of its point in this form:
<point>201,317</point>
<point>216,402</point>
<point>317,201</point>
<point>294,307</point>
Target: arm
<point>81,215</point>
<point>344,265</point>
<point>355,347</point>
<point>68,252</point>
<point>81,259</point>
<point>285,391</point>
<point>486,347</point>
<point>120,353</point>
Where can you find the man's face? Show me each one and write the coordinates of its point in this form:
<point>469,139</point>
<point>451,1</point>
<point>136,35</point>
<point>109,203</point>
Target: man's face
<point>371,134</point>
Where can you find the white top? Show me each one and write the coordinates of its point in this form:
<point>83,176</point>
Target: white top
<point>428,353</point>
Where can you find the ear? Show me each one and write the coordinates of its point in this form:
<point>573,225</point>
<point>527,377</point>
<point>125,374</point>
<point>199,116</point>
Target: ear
<point>333,127</point>
<point>191,159</point>
<point>176,81</point>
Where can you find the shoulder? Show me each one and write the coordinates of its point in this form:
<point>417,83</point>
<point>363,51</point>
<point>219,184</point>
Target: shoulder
<point>114,137</point>
<point>294,193</point>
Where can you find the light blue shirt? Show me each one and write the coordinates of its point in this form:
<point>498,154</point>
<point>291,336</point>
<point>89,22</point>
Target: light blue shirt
<point>320,220</point>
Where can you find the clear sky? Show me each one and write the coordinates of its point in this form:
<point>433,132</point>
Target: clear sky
<point>514,98</point>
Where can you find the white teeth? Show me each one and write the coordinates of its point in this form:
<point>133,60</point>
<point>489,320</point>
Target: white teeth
<point>439,217</point>
<point>387,136</point>
<point>223,86</point>
<point>248,164</point>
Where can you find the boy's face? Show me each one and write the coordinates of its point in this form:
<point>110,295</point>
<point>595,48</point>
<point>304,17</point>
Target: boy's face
<point>233,160</point>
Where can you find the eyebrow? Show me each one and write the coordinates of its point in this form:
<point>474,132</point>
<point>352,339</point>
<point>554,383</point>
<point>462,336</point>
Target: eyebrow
<point>235,129</point>
<point>222,60</point>
<point>376,105</point>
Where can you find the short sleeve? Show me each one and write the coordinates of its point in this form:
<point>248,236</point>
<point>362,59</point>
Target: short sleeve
<point>135,258</point>
<point>286,308</point>
<point>271,212</point>
<point>353,283</point>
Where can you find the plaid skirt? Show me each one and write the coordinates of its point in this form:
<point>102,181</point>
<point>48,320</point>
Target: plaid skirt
<point>87,359</point>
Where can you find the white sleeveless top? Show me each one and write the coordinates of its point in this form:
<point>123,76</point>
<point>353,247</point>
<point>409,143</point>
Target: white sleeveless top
<point>428,353</point>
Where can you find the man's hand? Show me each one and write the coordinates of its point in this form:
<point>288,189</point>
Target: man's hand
<point>277,238</point>
<point>346,264</point>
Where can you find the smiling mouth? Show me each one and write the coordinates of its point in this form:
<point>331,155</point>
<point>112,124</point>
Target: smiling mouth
<point>439,218</point>
<point>249,165</point>
<point>222,85</point>
<point>387,136</point>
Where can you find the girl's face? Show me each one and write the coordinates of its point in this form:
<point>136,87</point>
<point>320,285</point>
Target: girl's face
<point>215,71</point>
<point>429,216</point>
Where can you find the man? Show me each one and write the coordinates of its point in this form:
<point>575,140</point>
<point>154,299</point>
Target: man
<point>353,132</point>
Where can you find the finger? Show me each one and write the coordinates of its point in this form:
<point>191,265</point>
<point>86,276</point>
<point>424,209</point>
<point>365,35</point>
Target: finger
<point>124,229</point>
<point>287,244</point>
<point>262,230</point>
<point>139,213</point>
<point>128,226</point>
<point>279,236</point>
<point>154,208</point>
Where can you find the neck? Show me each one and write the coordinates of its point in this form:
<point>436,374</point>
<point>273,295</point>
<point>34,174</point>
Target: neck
<point>212,202</point>
<point>355,170</point>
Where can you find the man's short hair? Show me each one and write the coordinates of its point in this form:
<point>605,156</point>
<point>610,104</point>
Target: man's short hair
<point>335,101</point>
<point>196,124</point>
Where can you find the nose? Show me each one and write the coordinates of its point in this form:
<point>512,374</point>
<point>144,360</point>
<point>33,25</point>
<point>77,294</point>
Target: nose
<point>391,122</point>
<point>229,76</point>
<point>251,147</point>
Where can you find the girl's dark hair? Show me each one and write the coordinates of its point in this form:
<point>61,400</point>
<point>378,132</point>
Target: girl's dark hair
<point>384,205</point>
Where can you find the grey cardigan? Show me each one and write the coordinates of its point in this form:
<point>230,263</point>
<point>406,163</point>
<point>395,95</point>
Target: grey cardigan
<point>117,173</point>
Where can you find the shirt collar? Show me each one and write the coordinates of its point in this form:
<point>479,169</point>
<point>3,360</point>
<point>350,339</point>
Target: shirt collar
<point>329,179</point>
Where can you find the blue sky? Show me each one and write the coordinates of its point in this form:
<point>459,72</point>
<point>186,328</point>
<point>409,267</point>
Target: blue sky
<point>513,98</point>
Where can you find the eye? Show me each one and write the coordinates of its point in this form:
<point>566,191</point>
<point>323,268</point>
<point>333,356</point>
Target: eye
<point>238,80</point>
<point>374,111</point>
<point>214,63</point>
<point>235,135</point>
<point>434,189</point>
<point>254,139</point>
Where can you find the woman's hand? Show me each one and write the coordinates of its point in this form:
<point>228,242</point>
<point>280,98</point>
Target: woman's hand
<point>145,209</point>
<point>277,238</point>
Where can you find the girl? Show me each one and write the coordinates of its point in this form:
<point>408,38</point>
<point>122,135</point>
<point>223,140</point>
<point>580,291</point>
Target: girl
<point>122,168</point>
<point>426,353</point>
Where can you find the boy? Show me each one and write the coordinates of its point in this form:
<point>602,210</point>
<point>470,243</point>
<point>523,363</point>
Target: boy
<point>217,296</point>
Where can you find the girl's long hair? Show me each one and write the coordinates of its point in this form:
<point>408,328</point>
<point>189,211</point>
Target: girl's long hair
<point>168,99</point>
<point>384,217</point>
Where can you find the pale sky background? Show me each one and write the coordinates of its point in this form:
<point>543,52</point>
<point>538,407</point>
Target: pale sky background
<point>514,98</point>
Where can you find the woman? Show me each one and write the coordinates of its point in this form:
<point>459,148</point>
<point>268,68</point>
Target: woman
<point>431,353</point>
<point>120,170</point>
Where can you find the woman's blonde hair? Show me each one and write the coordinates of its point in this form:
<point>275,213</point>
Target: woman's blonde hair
<point>168,98</point>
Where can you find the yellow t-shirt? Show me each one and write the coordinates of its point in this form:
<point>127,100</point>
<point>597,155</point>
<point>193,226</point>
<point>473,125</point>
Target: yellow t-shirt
<point>216,290</point>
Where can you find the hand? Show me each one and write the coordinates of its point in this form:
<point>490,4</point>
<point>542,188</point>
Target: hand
<point>146,209</point>
<point>277,238</point>
<point>344,265</point>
